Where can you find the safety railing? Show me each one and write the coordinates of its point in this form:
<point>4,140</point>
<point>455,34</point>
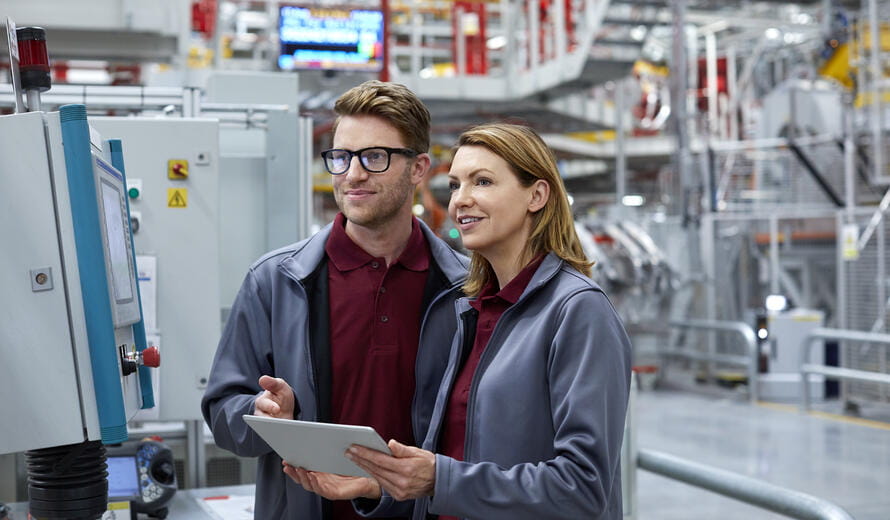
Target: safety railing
<point>831,372</point>
<point>749,360</point>
<point>758,493</point>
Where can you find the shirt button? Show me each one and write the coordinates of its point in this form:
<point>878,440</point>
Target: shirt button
<point>382,290</point>
<point>384,319</point>
<point>375,265</point>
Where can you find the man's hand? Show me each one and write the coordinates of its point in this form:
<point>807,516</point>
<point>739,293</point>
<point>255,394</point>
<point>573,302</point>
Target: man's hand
<point>409,473</point>
<point>333,487</point>
<point>277,400</point>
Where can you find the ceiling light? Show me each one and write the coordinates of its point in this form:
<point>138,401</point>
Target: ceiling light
<point>638,32</point>
<point>633,200</point>
<point>496,42</point>
<point>776,302</point>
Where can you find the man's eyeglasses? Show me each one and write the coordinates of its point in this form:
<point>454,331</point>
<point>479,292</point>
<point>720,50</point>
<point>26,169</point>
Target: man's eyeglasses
<point>374,159</point>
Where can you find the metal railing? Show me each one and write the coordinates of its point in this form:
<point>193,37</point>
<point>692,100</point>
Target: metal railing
<point>831,372</point>
<point>762,494</point>
<point>749,360</point>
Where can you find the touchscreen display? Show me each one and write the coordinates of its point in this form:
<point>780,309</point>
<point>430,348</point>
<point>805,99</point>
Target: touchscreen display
<point>123,479</point>
<point>117,247</point>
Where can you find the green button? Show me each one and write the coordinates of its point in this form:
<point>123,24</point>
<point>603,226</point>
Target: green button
<point>453,233</point>
<point>133,193</point>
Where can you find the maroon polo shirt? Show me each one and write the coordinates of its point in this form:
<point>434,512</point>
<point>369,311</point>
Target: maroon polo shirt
<point>375,313</point>
<point>491,304</point>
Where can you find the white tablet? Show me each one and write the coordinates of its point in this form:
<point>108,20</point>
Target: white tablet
<point>316,446</point>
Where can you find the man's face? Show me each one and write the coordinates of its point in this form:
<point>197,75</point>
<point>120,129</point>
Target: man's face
<point>372,200</point>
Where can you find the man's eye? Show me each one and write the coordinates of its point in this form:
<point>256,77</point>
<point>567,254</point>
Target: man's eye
<point>453,186</point>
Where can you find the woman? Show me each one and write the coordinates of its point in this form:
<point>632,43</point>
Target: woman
<point>529,419</point>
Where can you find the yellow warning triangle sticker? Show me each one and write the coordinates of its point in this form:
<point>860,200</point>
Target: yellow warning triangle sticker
<point>177,197</point>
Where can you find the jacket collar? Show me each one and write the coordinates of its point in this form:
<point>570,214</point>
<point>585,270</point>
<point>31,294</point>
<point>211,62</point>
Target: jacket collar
<point>309,253</point>
<point>548,269</point>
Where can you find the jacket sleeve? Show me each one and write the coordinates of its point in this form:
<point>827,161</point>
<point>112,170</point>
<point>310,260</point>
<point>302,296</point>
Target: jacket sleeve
<point>387,506</point>
<point>588,371</point>
<point>243,355</point>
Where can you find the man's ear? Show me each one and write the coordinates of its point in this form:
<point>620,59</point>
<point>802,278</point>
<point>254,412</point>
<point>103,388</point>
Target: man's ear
<point>540,194</point>
<point>420,168</point>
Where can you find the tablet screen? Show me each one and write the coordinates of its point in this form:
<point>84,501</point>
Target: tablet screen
<point>316,446</point>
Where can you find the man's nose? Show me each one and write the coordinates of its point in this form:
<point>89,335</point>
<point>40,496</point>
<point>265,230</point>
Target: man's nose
<point>356,171</point>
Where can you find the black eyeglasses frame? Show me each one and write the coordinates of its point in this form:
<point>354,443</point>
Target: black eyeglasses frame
<point>357,153</point>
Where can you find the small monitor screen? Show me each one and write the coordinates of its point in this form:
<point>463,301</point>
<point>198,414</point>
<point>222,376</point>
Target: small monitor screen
<point>117,246</point>
<point>123,479</point>
<point>335,38</point>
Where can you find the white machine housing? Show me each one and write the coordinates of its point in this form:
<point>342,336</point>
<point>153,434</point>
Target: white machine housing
<point>50,398</point>
<point>184,243</point>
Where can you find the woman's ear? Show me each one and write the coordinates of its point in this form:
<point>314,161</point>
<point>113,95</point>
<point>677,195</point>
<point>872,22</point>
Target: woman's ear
<point>540,194</point>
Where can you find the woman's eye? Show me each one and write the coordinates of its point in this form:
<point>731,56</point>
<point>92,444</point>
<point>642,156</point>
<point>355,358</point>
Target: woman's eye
<point>483,182</point>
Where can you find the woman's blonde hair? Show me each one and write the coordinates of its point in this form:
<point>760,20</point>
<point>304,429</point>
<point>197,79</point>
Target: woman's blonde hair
<point>392,102</point>
<point>553,227</point>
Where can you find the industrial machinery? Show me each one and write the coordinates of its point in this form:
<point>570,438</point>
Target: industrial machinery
<point>143,474</point>
<point>74,352</point>
<point>173,192</point>
<point>631,267</point>
<point>787,331</point>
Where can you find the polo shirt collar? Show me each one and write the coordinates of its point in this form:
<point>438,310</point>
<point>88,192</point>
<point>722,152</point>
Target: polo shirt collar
<point>513,290</point>
<point>346,255</point>
<point>416,256</point>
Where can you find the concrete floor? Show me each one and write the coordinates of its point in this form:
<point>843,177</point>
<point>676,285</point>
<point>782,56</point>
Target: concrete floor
<point>841,459</point>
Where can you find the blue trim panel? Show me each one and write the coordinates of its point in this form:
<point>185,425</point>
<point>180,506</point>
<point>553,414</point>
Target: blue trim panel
<point>148,396</point>
<point>110,171</point>
<point>93,276</point>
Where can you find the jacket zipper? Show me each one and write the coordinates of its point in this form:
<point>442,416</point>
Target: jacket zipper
<point>488,354</point>
<point>453,364</point>
<point>414,426</point>
<point>477,375</point>
<point>313,376</point>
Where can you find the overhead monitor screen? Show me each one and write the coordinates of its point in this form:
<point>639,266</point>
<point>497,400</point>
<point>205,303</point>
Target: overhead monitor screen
<point>332,38</point>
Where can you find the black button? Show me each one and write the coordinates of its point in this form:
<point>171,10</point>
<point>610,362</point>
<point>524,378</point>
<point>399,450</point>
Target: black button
<point>382,290</point>
<point>384,319</point>
<point>375,265</point>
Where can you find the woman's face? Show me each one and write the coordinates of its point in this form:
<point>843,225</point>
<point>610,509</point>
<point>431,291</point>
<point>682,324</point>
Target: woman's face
<point>491,209</point>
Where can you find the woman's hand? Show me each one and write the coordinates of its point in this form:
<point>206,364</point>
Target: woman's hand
<point>409,473</point>
<point>333,487</point>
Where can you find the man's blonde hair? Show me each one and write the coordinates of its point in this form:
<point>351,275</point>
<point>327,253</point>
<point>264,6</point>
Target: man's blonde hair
<point>393,103</point>
<point>553,227</point>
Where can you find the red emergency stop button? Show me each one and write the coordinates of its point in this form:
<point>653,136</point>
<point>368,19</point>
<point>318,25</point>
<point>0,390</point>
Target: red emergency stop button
<point>151,357</point>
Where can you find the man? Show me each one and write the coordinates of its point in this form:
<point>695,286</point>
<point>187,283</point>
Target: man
<point>352,325</point>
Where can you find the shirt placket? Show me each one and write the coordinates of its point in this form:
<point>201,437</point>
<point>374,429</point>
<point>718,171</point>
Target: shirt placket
<point>382,334</point>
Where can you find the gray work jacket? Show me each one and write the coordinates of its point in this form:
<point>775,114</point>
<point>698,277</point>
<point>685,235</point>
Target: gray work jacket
<point>545,414</point>
<point>278,327</point>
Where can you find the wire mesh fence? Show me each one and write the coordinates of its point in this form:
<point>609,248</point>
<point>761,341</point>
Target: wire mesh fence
<point>864,282</point>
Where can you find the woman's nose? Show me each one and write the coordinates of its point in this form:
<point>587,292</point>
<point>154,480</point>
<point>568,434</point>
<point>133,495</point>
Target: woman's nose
<point>461,197</point>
